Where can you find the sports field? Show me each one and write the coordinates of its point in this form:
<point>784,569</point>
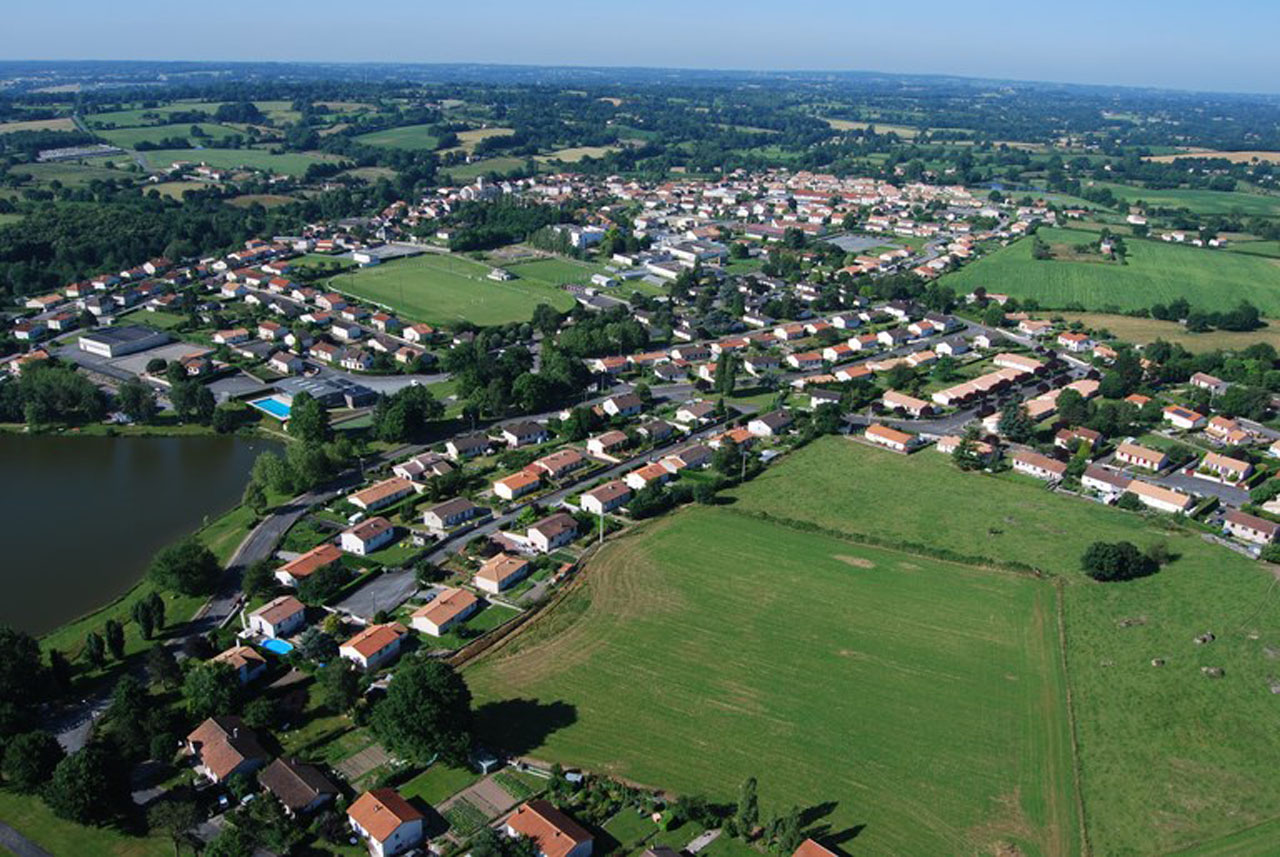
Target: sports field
<point>555,272</point>
<point>412,137</point>
<point>1169,758</point>
<point>921,699</point>
<point>1141,331</point>
<point>443,290</point>
<point>1156,273</point>
<point>290,163</point>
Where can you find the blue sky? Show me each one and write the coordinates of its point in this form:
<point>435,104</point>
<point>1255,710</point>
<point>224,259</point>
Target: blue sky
<point>1225,45</point>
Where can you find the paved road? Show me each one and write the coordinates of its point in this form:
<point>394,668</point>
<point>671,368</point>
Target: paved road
<point>20,845</point>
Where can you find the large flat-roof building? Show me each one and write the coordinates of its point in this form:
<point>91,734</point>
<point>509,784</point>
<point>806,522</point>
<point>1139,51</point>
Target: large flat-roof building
<point>122,340</point>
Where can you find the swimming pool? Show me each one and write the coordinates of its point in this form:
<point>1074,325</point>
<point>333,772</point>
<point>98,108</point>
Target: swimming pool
<point>274,405</point>
<point>279,647</point>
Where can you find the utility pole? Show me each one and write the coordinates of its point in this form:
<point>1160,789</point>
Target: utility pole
<point>601,539</point>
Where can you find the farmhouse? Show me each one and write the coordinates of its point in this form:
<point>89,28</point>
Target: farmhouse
<point>385,820</point>
<point>554,834</point>
<point>553,532</point>
<point>382,493</point>
<point>449,608</point>
<point>1037,465</point>
<point>450,513</point>
<point>1250,528</point>
<point>1161,499</point>
<point>367,536</point>
<point>1141,456</point>
<point>375,646</point>
<point>501,572</point>
<point>898,441</point>
<point>606,498</point>
<point>296,570</point>
<point>223,747</point>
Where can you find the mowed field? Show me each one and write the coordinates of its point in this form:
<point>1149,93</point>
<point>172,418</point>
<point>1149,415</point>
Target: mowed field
<point>290,163</point>
<point>447,289</point>
<point>922,699</point>
<point>1245,157</point>
<point>1156,273</point>
<point>1199,201</point>
<point>1170,759</point>
<point>128,138</point>
<point>62,124</point>
<point>475,169</point>
<point>1141,331</point>
<point>555,272</point>
<point>412,137</point>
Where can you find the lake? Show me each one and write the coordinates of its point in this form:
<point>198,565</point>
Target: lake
<point>83,516</point>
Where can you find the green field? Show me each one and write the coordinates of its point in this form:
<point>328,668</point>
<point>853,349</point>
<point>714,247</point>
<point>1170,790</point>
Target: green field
<point>276,111</point>
<point>556,272</point>
<point>289,163</point>
<point>129,138</point>
<point>924,699</point>
<point>1199,201</point>
<point>72,173</point>
<point>1156,273</point>
<point>1169,758</point>
<point>468,172</point>
<point>447,289</point>
<point>412,137</point>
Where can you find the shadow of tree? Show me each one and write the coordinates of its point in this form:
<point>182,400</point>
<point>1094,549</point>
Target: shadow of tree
<point>520,726</point>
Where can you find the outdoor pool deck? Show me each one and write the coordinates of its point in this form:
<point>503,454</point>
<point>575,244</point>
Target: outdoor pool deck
<point>275,406</point>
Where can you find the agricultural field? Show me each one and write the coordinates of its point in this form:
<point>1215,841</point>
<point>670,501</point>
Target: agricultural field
<point>904,131</point>
<point>706,648</point>
<point>62,124</point>
<point>1140,331</point>
<point>129,138</point>
<point>412,137</point>
<point>475,169</point>
<point>1199,201</point>
<point>266,200</point>
<point>289,163</point>
<point>71,173</point>
<point>276,111</point>
<point>1247,157</point>
<point>175,190</point>
<point>443,290</point>
<point>572,156</point>
<point>1156,272</point>
<point>1169,759</point>
<point>467,139</point>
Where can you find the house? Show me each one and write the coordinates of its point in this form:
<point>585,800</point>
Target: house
<point>606,498</point>
<point>451,607</point>
<point>1037,465</point>
<point>1109,483</point>
<point>367,536</point>
<point>554,834</point>
<point>553,532</point>
<point>771,424</point>
<point>811,848</point>
<point>1017,361</point>
<point>375,646</point>
<point>420,468</point>
<point>1078,434</point>
<point>1226,430</point>
<point>953,347</point>
<point>450,513</point>
<point>1141,456</point>
<point>625,405</point>
<point>948,444</point>
<point>649,474</point>
<point>381,494</point>
<point>231,337</point>
<point>279,617</point>
<point>1161,499</point>
<point>1215,386</point>
<point>606,444</point>
<point>517,485</point>
<point>805,360</point>
<point>244,660</point>
<point>1183,418</point>
<point>296,570</point>
<point>560,464</point>
<point>608,365</point>
<point>418,333</point>
<point>286,363</point>
<point>501,572</point>
<point>898,441</point>
<point>460,448</point>
<point>1223,468</point>
<point>656,431</point>
<point>524,434</point>
<point>299,787</point>
<point>691,456</point>
<point>895,401</point>
<point>223,747</point>
<point>695,413</point>
<point>1076,343</point>
<point>1250,528</point>
<point>386,821</point>
<point>1031,327</point>
<point>892,338</point>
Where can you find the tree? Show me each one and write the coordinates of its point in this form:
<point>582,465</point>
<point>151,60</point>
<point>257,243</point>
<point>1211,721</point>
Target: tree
<point>338,686</point>
<point>308,420</point>
<point>95,651</point>
<point>1015,423</point>
<point>965,455</point>
<point>1106,561</point>
<point>211,689</point>
<point>1072,408</point>
<point>114,633</point>
<point>993,315</point>
<point>175,817</point>
<point>187,567</point>
<point>30,758</point>
<point>140,612</point>
<point>261,713</point>
<point>85,786</point>
<point>1242,400</point>
<point>748,814</point>
<point>317,645</point>
<point>21,672</point>
<point>726,377</point>
<point>255,498</point>
<point>137,401</point>
<point>162,667</point>
<point>259,579</point>
<point>231,841</point>
<point>426,713</point>
<point>788,835</point>
<point>59,670</point>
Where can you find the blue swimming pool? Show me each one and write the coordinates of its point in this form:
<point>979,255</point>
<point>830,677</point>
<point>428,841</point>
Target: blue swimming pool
<point>274,405</point>
<point>279,647</point>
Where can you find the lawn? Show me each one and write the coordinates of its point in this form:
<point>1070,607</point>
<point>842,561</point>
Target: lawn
<point>290,163</point>
<point>437,783</point>
<point>706,648</point>
<point>73,173</point>
<point>29,815</point>
<point>447,289</point>
<point>1169,758</point>
<point>1156,273</point>
<point>1199,201</point>
<point>412,137</point>
<point>1141,331</point>
<point>128,138</point>
<point>556,272</point>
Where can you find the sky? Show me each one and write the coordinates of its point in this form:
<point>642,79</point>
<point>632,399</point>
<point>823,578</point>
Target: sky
<point>1228,45</point>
